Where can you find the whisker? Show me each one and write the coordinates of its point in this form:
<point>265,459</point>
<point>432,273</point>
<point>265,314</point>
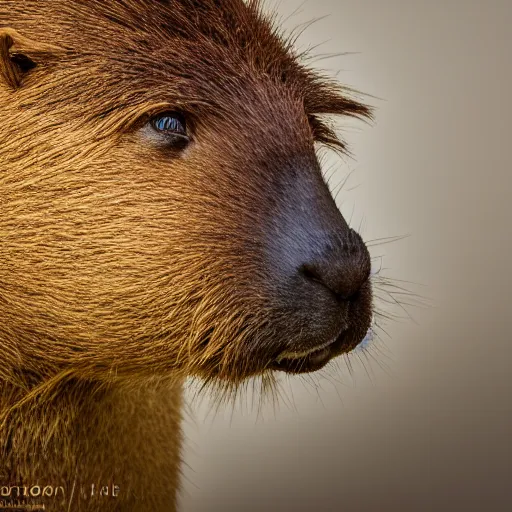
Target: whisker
<point>340,186</point>
<point>385,240</point>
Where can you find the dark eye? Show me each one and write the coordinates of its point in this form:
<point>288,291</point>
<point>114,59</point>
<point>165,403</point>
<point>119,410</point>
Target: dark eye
<point>171,125</point>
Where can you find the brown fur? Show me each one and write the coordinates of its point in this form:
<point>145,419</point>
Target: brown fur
<point>124,269</point>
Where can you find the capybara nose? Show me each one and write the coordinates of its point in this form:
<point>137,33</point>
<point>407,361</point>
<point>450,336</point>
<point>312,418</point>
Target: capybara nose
<point>330,305</point>
<point>342,268</point>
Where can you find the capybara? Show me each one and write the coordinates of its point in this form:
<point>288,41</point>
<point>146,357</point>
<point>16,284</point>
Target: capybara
<point>163,215</point>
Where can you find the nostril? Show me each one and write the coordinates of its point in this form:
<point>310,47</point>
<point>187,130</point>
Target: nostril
<point>342,265</point>
<point>309,272</point>
<point>343,278</point>
<point>347,296</point>
<point>312,273</point>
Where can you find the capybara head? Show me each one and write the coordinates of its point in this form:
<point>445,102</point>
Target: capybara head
<point>162,204</point>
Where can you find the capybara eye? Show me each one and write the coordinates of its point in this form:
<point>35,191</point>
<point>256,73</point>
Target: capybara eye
<point>170,125</point>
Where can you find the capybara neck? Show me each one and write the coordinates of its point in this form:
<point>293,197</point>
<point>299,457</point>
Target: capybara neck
<point>90,446</point>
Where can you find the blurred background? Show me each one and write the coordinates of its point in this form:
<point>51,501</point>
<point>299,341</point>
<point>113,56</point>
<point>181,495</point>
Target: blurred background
<point>422,418</point>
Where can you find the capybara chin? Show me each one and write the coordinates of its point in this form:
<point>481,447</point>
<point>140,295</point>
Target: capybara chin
<point>163,214</point>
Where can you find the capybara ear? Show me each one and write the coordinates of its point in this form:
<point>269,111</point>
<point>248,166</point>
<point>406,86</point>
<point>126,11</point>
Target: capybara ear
<point>19,54</point>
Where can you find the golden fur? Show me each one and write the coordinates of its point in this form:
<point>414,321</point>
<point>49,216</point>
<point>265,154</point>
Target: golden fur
<point>122,270</point>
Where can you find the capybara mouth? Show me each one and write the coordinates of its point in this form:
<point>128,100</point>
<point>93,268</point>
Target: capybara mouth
<point>311,362</point>
<point>317,358</point>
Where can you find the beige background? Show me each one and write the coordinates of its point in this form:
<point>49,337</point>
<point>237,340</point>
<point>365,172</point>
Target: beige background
<point>432,432</point>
